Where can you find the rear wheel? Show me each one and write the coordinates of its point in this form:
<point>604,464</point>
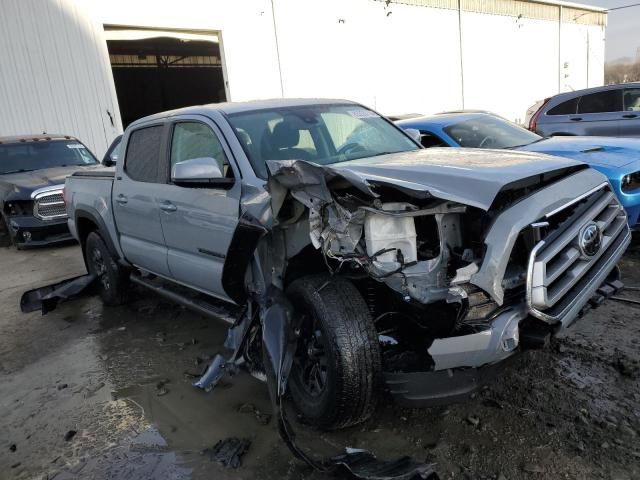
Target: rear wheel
<point>337,368</point>
<point>112,278</point>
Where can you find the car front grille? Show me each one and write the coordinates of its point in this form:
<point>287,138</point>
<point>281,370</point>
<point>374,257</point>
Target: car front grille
<point>50,205</point>
<point>567,257</point>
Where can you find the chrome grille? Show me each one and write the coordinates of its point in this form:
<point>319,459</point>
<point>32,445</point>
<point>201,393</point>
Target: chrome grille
<point>49,205</point>
<point>559,268</point>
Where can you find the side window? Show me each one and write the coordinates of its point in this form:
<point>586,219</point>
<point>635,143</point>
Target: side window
<point>429,140</point>
<point>142,161</point>
<point>196,140</point>
<point>601,102</point>
<point>569,107</point>
<point>632,100</point>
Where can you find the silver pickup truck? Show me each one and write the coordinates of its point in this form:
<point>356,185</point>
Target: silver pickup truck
<point>364,262</point>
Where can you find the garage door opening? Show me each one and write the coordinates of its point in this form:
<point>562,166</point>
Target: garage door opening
<point>157,70</point>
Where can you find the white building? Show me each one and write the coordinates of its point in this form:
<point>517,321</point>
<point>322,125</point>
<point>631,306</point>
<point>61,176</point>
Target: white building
<point>86,67</point>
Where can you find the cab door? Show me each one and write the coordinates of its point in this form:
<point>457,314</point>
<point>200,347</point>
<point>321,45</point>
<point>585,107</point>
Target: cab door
<point>137,188</point>
<point>199,221</point>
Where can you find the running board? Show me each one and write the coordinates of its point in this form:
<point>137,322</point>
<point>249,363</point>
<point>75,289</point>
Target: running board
<point>202,307</point>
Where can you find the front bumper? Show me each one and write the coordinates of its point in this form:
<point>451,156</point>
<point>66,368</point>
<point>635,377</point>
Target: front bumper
<point>465,363</point>
<point>29,231</point>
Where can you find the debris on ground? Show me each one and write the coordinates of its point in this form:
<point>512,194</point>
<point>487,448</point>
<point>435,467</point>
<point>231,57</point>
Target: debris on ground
<point>229,452</point>
<point>13,447</point>
<point>362,464</point>
<point>261,418</point>
<point>69,435</point>
<point>62,386</point>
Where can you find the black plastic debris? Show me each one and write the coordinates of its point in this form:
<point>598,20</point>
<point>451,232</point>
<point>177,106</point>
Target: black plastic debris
<point>47,298</point>
<point>229,452</point>
<point>364,465</point>
<point>13,447</point>
<point>69,435</point>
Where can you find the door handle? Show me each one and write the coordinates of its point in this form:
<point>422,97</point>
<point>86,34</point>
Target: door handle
<point>168,207</point>
<point>577,119</point>
<point>121,199</point>
<point>630,115</point>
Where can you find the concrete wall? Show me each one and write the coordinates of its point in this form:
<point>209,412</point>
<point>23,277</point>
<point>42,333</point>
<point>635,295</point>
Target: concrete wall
<point>55,75</point>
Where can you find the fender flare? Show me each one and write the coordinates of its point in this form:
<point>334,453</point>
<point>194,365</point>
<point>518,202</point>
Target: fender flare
<point>91,214</point>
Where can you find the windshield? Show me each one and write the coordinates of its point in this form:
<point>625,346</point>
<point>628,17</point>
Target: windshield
<point>28,156</point>
<point>322,134</point>
<point>487,131</point>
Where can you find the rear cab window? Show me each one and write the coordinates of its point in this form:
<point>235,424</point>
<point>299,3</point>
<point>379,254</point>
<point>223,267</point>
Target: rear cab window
<point>142,160</point>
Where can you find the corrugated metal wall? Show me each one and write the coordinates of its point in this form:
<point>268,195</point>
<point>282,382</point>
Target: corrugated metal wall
<point>55,75</point>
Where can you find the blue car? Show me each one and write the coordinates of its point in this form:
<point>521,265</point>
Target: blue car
<point>617,158</point>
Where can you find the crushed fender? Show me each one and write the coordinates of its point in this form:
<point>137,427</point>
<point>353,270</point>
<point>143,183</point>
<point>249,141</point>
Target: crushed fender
<point>47,298</point>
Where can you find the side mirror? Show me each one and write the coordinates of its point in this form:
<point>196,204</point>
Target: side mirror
<point>203,171</point>
<point>414,133</point>
<point>111,160</point>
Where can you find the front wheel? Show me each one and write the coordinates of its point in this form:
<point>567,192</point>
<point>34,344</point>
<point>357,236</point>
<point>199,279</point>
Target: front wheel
<point>112,278</point>
<point>336,372</point>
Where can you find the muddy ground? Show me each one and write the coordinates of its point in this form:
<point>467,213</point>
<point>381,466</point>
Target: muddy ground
<point>118,377</point>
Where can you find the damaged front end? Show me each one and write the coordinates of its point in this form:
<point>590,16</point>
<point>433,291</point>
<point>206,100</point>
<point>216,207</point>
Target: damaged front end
<point>449,283</point>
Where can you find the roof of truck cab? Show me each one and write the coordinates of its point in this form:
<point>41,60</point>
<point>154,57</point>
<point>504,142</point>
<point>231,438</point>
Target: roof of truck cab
<point>35,138</point>
<point>237,107</point>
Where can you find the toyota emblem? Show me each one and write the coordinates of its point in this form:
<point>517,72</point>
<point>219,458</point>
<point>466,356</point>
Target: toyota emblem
<point>590,239</point>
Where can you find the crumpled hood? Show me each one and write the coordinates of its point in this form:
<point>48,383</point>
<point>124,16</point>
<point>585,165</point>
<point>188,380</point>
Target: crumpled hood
<point>18,186</point>
<point>601,151</point>
<point>468,176</point>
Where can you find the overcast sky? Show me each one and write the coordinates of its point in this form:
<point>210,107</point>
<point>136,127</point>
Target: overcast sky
<point>623,30</point>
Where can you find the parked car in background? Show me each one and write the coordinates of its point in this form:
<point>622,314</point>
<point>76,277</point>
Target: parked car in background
<point>33,169</point>
<point>617,158</point>
<point>613,110</point>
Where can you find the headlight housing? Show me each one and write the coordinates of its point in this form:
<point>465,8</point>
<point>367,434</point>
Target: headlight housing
<point>630,182</point>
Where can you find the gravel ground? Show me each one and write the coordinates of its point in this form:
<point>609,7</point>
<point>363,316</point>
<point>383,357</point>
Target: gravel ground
<point>120,379</point>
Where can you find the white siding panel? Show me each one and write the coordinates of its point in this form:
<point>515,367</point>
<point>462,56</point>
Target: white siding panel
<point>55,73</point>
<point>397,59</point>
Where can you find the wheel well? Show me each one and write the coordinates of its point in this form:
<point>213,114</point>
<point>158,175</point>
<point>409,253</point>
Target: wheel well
<point>308,261</point>
<point>84,226</point>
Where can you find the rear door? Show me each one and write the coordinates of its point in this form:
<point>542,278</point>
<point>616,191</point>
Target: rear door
<point>599,113</point>
<point>198,223</point>
<point>136,192</point>
<point>630,121</point>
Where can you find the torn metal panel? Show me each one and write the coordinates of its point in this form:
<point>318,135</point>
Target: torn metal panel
<point>47,298</point>
<point>507,226</point>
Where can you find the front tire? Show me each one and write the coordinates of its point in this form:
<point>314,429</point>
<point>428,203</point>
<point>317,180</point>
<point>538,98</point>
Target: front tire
<point>336,373</point>
<point>112,279</point>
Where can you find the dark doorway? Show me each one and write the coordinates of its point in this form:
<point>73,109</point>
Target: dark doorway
<point>162,73</point>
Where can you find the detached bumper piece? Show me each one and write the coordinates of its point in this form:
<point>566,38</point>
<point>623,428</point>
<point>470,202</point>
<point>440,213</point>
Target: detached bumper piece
<point>47,298</point>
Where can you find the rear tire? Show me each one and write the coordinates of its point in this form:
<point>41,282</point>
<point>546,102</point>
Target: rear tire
<point>336,373</point>
<point>112,279</point>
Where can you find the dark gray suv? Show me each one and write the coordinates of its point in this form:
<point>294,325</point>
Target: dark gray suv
<point>613,110</point>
